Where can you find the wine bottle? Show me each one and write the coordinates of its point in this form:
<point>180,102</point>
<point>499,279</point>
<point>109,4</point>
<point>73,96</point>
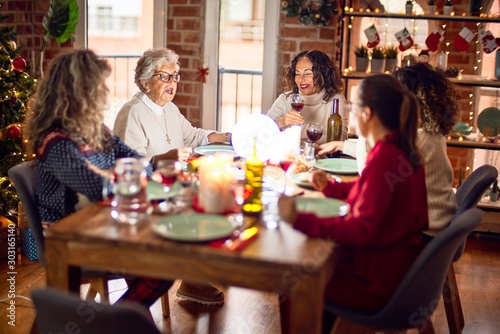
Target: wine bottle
<point>334,131</point>
<point>254,171</point>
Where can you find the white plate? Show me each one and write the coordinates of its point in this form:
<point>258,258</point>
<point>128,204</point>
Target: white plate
<point>212,149</point>
<point>156,193</point>
<point>338,165</point>
<point>322,207</point>
<point>303,179</point>
<point>193,227</point>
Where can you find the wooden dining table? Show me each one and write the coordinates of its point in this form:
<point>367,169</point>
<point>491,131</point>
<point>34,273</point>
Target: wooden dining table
<point>282,260</point>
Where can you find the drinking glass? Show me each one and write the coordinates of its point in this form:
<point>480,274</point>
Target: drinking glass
<point>314,132</point>
<point>297,102</point>
<point>241,191</point>
<point>130,203</point>
<point>166,173</point>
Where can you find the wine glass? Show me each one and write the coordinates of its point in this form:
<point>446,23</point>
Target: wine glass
<point>297,102</point>
<point>288,164</point>
<point>166,173</point>
<point>314,132</point>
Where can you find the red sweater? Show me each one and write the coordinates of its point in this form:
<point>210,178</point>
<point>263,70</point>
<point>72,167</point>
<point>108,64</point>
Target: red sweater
<point>381,235</point>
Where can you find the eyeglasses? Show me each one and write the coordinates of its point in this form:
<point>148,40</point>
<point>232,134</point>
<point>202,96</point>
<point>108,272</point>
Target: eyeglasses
<point>354,107</point>
<point>167,77</point>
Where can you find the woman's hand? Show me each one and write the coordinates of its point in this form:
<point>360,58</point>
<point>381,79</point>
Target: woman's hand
<point>179,154</point>
<point>288,211</point>
<point>319,179</point>
<point>330,147</point>
<point>292,117</point>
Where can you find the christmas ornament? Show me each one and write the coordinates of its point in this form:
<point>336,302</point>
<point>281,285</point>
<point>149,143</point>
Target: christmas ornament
<point>372,35</point>
<point>463,39</point>
<point>202,74</point>
<point>13,131</point>
<point>432,41</point>
<point>19,64</point>
<point>404,39</point>
<point>489,42</point>
<point>12,45</point>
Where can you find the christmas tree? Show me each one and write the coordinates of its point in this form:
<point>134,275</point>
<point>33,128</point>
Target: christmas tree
<point>16,88</point>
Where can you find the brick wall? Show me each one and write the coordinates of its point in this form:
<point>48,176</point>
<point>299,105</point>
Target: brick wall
<point>26,18</point>
<point>185,35</point>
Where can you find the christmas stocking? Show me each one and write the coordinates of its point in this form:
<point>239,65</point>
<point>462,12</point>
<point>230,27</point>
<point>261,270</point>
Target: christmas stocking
<point>404,39</point>
<point>433,39</point>
<point>372,35</point>
<point>488,41</point>
<point>463,39</point>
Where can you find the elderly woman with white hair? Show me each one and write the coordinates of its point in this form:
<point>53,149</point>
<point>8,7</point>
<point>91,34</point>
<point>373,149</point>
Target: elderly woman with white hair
<point>150,122</point>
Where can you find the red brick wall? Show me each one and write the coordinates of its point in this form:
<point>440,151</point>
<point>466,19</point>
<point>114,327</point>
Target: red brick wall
<point>185,35</point>
<point>26,18</point>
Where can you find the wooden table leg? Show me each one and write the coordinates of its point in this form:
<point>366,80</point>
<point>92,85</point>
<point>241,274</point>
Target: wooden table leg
<point>301,309</point>
<point>59,274</point>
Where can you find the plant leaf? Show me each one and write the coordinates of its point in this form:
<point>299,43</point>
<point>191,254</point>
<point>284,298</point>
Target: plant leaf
<point>61,20</point>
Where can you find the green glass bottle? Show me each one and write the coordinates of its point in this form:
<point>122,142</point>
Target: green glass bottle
<point>334,131</point>
<point>254,171</point>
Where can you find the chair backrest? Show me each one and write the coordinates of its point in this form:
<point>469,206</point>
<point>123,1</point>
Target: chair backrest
<point>418,294</point>
<point>470,193</point>
<point>25,178</point>
<point>58,312</point>
<point>474,186</point>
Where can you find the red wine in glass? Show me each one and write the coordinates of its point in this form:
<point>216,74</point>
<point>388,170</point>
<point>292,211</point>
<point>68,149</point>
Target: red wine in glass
<point>285,164</point>
<point>314,135</point>
<point>297,102</point>
<point>297,106</point>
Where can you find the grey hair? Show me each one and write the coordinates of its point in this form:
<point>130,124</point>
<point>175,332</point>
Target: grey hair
<point>152,60</point>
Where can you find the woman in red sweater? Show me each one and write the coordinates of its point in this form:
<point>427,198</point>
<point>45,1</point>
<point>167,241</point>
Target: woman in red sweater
<point>381,236</point>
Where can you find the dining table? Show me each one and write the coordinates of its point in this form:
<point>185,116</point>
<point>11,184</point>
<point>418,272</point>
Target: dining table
<point>281,260</point>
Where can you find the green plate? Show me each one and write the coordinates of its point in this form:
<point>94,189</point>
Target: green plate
<point>212,149</point>
<point>322,207</point>
<point>300,179</point>
<point>156,193</point>
<point>338,165</point>
<point>193,227</point>
<point>489,117</point>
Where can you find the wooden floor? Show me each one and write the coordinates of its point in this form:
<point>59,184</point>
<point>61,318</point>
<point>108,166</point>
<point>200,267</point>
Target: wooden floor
<point>247,311</point>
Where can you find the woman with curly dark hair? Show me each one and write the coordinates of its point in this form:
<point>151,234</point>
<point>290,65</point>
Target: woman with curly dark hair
<point>439,108</point>
<point>314,75</point>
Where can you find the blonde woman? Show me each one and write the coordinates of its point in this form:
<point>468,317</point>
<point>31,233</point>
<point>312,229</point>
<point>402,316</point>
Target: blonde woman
<point>65,131</point>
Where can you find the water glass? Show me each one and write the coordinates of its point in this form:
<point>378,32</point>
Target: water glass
<point>270,213</point>
<point>130,203</point>
<point>308,151</point>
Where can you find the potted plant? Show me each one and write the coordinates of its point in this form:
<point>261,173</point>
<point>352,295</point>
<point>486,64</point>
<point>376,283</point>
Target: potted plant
<point>361,53</point>
<point>409,7</point>
<point>448,6</point>
<point>494,191</point>
<point>432,6</point>
<point>378,60</point>
<point>391,58</point>
<point>60,23</point>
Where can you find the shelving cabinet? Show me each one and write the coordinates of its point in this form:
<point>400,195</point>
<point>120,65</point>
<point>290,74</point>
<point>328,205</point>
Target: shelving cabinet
<point>477,83</point>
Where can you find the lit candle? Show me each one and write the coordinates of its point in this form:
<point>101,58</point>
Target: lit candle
<point>215,183</point>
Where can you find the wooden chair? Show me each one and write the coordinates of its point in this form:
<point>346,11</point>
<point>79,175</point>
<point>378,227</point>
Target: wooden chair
<point>418,294</point>
<point>60,312</point>
<point>25,178</point>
